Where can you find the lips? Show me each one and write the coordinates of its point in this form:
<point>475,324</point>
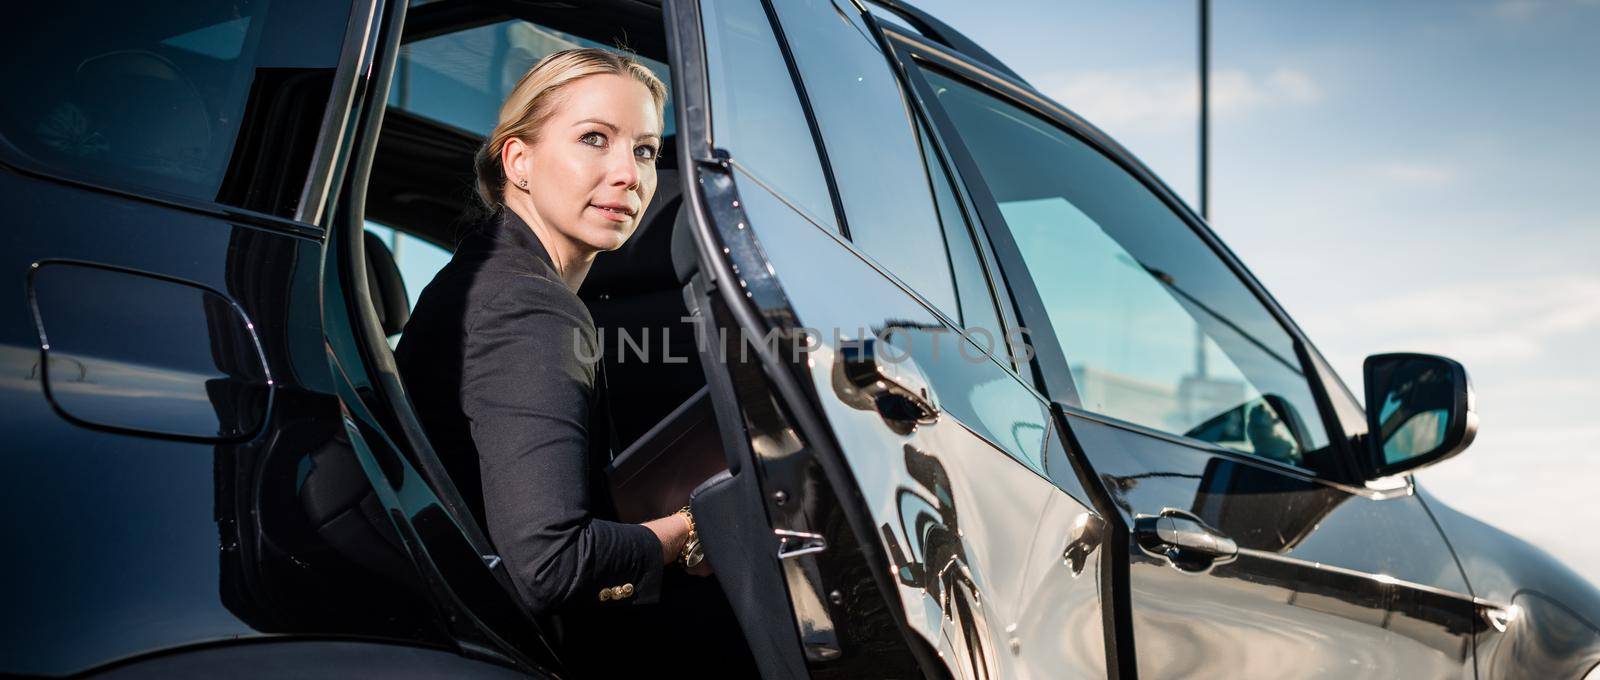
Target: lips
<point>616,211</point>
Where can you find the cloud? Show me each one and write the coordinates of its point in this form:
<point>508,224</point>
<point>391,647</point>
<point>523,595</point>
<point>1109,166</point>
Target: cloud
<point>1515,9</point>
<point>1416,174</point>
<point>1520,10</point>
<point>1234,91</point>
<point>1482,323</point>
<point>1167,98</point>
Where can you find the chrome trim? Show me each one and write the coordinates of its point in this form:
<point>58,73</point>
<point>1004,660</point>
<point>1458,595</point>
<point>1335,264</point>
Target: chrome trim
<point>866,380</point>
<point>798,543</point>
<point>1500,617</point>
<point>1386,579</point>
<point>1177,536</point>
<point>356,57</point>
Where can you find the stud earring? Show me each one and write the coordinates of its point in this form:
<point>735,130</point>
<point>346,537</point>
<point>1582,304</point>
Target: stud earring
<point>523,183</point>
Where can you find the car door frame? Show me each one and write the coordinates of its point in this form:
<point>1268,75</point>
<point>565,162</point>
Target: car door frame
<point>466,580</point>
<point>735,290</point>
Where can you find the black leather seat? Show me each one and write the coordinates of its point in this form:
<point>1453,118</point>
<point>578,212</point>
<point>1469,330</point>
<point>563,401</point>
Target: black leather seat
<point>336,496</point>
<point>636,291</point>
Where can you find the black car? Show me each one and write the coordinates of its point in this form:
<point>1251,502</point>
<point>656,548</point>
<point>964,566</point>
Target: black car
<point>957,386</point>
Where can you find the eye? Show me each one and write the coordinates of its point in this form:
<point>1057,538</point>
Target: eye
<point>646,152</point>
<point>593,139</point>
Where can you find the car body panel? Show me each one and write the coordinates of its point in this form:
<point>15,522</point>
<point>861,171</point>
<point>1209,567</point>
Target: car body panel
<point>1546,617</point>
<point>137,542</point>
<point>1332,581</point>
<point>965,575</point>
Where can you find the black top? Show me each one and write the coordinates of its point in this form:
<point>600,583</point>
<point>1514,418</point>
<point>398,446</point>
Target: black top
<point>499,359</point>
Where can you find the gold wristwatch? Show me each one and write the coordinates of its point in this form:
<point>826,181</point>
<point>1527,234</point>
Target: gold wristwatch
<point>691,556</point>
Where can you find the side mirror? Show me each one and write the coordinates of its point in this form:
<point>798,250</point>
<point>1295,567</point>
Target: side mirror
<point>1419,412</point>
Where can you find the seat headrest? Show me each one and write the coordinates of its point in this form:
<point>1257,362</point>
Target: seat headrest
<point>384,283</point>
<point>147,112</point>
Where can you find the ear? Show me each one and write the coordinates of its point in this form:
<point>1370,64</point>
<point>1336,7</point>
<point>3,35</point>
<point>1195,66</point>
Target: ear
<point>516,161</point>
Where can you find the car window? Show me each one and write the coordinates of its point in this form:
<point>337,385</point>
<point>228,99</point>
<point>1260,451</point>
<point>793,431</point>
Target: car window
<point>460,78</point>
<point>209,101</point>
<point>978,314</point>
<point>755,112</point>
<point>1157,330</point>
<point>872,145</point>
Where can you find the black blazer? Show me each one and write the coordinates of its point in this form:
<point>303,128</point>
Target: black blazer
<point>499,359</point>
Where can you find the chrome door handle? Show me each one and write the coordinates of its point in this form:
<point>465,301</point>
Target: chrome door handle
<point>1183,541</point>
<point>894,386</point>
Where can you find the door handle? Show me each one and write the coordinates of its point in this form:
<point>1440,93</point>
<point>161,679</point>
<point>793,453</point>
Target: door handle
<point>1183,541</point>
<point>894,386</point>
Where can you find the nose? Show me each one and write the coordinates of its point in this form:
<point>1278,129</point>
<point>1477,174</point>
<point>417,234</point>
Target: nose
<point>623,169</point>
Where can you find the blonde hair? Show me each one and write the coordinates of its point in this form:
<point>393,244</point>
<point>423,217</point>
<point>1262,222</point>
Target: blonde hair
<point>534,99</point>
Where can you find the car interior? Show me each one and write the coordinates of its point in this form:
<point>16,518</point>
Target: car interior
<point>461,60</point>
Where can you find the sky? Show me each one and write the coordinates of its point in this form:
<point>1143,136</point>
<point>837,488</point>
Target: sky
<point>1402,177</point>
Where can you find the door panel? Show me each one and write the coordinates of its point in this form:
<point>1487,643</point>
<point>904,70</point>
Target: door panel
<point>1058,620</point>
<point>959,501</point>
<point>954,501</point>
<point>1327,582</point>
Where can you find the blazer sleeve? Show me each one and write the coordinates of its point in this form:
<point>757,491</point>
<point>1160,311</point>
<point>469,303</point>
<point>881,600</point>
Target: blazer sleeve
<point>526,391</point>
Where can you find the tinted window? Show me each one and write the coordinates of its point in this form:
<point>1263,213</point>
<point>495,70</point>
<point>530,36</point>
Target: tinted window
<point>461,78</point>
<point>871,144</point>
<point>210,101</point>
<point>1157,330</point>
<point>755,112</point>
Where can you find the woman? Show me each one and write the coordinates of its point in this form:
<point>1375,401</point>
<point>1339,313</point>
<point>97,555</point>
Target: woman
<point>493,356</point>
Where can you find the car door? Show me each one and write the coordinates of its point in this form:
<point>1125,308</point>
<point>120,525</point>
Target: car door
<point>831,217</point>
<point>462,573</point>
<point>1209,422</point>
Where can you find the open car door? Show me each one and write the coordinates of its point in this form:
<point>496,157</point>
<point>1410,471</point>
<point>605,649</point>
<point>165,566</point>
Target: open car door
<point>899,498</point>
<point>414,527</point>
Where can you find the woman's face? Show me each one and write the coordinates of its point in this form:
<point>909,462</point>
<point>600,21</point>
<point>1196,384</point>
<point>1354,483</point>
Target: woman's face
<point>592,173</point>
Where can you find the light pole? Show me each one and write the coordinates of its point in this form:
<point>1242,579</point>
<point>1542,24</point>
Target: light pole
<point>1205,109</point>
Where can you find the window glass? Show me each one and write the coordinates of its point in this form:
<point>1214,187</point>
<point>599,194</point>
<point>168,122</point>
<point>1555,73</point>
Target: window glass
<point>209,101</point>
<point>872,146</point>
<point>978,314</point>
<point>461,78</point>
<point>755,111</point>
<point>1156,329</point>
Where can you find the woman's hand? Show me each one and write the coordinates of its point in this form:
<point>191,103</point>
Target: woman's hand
<point>673,532</point>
